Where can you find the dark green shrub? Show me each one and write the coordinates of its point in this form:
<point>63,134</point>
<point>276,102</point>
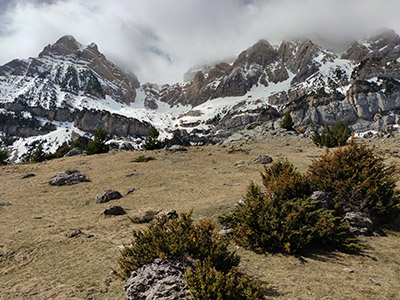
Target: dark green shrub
<point>285,219</point>
<point>152,141</point>
<point>205,282</point>
<point>176,237</point>
<point>60,152</point>
<point>287,122</point>
<point>39,155</point>
<point>143,158</point>
<point>98,145</point>
<point>3,157</point>
<point>358,179</point>
<point>334,136</point>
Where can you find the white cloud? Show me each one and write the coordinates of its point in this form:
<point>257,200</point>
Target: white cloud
<point>159,40</point>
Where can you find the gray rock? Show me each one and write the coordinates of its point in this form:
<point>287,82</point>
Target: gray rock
<point>239,203</point>
<point>5,203</point>
<point>160,280</point>
<point>225,231</point>
<point>131,191</point>
<point>360,223</point>
<point>348,270</point>
<point>176,148</point>
<point>263,159</point>
<point>27,175</point>
<point>79,233</point>
<point>373,281</point>
<point>172,214</point>
<point>325,200</point>
<point>68,177</point>
<point>73,152</point>
<point>126,146</point>
<point>114,211</point>
<point>107,196</point>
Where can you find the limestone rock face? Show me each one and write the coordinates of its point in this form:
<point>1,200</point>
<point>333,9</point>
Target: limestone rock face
<point>160,280</point>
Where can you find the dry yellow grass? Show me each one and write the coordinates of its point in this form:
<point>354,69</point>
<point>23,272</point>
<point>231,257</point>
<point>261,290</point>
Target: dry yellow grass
<point>38,261</point>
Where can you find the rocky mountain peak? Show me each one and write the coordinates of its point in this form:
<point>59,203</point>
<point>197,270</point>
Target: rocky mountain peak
<point>384,44</point>
<point>261,53</point>
<point>78,70</point>
<point>66,45</point>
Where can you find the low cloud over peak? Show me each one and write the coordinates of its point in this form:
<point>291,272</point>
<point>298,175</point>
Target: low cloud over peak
<point>159,40</point>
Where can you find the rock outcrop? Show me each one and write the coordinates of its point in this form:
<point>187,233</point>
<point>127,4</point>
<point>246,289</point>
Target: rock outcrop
<point>68,177</point>
<point>160,280</point>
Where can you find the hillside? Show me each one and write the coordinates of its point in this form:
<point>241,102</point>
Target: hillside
<point>39,261</point>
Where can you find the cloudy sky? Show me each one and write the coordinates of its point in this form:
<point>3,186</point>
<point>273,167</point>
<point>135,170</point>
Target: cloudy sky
<point>161,39</point>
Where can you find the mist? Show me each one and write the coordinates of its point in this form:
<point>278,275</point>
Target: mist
<point>160,40</point>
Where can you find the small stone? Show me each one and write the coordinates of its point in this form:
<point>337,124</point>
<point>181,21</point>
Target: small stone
<point>131,191</point>
<point>373,281</point>
<point>79,233</point>
<point>114,211</point>
<point>5,203</point>
<point>263,159</point>
<point>175,148</point>
<point>225,231</point>
<point>240,163</point>
<point>107,196</point>
<point>74,152</point>
<point>348,270</point>
<point>27,175</point>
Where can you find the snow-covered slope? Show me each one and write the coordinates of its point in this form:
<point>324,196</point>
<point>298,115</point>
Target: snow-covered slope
<point>71,89</point>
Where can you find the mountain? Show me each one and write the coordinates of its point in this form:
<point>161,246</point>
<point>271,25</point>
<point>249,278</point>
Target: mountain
<point>74,88</point>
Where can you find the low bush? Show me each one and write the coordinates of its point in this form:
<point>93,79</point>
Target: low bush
<point>176,237</point>
<point>143,158</point>
<point>98,145</point>
<point>214,275</point>
<point>334,136</point>
<point>287,122</point>
<point>205,282</point>
<point>152,142</point>
<point>358,181</point>
<point>3,157</point>
<point>286,220</point>
<point>38,155</point>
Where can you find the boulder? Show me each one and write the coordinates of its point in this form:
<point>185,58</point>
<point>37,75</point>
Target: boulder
<point>114,211</point>
<point>68,177</point>
<point>263,159</point>
<point>107,196</point>
<point>176,148</point>
<point>325,199</point>
<point>126,146</point>
<point>73,152</point>
<point>360,223</point>
<point>27,175</point>
<point>159,280</point>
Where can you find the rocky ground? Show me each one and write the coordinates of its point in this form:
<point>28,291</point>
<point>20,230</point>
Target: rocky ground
<point>56,242</point>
